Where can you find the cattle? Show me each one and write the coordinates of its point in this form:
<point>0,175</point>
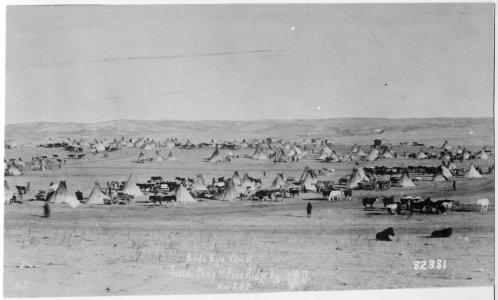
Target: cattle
<point>369,201</point>
<point>394,207</point>
<point>348,194</point>
<point>483,204</point>
<point>21,189</point>
<point>263,193</point>
<point>385,235</point>
<point>160,199</point>
<point>388,200</point>
<point>326,193</point>
<point>335,194</point>
<point>415,204</point>
<point>294,191</point>
<point>442,233</point>
<point>444,205</point>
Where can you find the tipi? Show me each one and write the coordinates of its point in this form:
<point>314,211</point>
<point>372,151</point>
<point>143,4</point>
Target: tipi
<point>61,195</point>
<point>183,196</point>
<point>96,196</point>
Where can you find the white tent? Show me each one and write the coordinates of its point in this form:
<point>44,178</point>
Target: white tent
<point>61,195</point>
<point>472,172</point>
<point>229,193</point>
<point>183,196</point>
<point>236,178</point>
<point>171,156</point>
<point>199,185</point>
<point>277,183</point>
<point>96,196</point>
<point>372,155</point>
<point>215,157</point>
<point>421,154</point>
<point>7,191</point>
<point>405,181</point>
<point>132,189</point>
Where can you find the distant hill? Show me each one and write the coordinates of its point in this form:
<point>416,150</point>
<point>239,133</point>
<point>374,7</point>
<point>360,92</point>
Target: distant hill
<point>477,131</point>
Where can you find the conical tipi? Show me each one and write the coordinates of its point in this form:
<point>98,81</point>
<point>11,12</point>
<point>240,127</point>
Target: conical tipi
<point>472,172</point>
<point>132,189</point>
<point>183,196</point>
<point>61,195</point>
<point>405,180</point>
<point>229,193</point>
<point>96,196</point>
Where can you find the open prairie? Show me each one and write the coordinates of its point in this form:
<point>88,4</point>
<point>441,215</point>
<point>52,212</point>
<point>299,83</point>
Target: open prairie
<point>226,247</point>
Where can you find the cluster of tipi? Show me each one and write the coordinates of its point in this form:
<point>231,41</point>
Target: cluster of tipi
<point>18,166</point>
<point>158,157</point>
<point>463,152</point>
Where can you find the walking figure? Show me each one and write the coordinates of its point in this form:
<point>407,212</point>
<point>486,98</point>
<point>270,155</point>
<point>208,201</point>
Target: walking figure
<point>308,209</point>
<point>454,185</point>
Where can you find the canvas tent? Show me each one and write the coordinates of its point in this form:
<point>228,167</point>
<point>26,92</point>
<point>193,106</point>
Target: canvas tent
<point>354,180</point>
<point>446,146</point>
<point>61,195</point>
<point>199,185</point>
<point>277,182</point>
<point>229,193</point>
<point>405,181</point>
<point>215,157</point>
<point>472,172</point>
<point>372,155</point>
<point>236,178</point>
<point>421,154</point>
<point>7,191</point>
<point>132,189</point>
<point>96,195</point>
<point>183,196</point>
<point>171,156</point>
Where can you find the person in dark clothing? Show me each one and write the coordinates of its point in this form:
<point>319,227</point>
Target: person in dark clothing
<point>46,210</point>
<point>308,209</point>
<point>454,185</point>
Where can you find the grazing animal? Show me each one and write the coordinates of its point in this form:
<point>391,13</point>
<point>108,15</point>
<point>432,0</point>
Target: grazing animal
<point>385,235</point>
<point>442,233</point>
<point>396,207</point>
<point>294,191</point>
<point>415,204</point>
<point>335,194</point>
<point>369,201</point>
<point>483,203</point>
<point>326,193</point>
<point>21,189</point>
<point>348,194</point>
<point>388,200</point>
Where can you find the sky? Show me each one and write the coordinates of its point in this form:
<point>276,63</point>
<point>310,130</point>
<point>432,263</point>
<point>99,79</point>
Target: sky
<point>248,61</point>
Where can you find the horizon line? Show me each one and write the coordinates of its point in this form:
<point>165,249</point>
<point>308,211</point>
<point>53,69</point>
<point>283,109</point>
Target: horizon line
<point>255,120</point>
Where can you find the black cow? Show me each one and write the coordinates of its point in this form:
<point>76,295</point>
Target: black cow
<point>326,193</point>
<point>385,235</point>
<point>262,193</point>
<point>294,191</point>
<point>442,233</point>
<point>348,193</point>
<point>369,201</point>
<point>427,203</point>
<point>388,200</point>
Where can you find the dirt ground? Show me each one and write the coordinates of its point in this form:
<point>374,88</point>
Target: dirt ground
<point>232,247</point>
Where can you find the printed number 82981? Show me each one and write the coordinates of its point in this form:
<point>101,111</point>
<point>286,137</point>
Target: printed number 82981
<point>439,264</point>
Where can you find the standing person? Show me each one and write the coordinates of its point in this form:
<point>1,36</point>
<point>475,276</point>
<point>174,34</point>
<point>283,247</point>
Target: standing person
<point>308,209</point>
<point>46,210</point>
<point>454,185</point>
<point>264,173</point>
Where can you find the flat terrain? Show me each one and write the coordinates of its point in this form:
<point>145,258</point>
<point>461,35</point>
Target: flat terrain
<point>218,247</point>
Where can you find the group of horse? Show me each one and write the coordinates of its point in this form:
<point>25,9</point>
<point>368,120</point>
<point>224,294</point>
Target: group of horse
<point>417,204</point>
